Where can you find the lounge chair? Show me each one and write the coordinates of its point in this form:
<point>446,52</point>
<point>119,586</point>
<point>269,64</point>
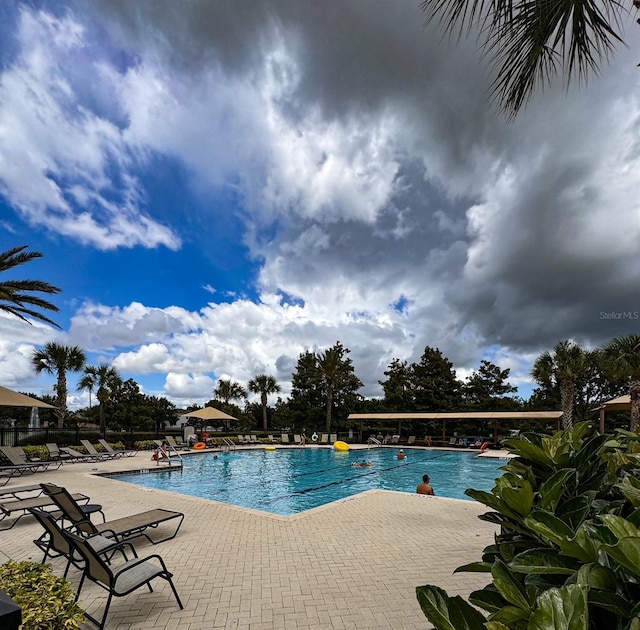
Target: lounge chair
<point>17,457</point>
<point>114,451</point>
<point>247,439</point>
<point>296,438</point>
<point>253,439</point>
<point>56,454</point>
<point>77,456</point>
<point>121,528</point>
<point>121,580</point>
<point>452,441</point>
<point>333,438</point>
<point>173,443</point>
<point>411,440</point>
<point>241,439</point>
<point>21,507</point>
<point>284,438</point>
<point>34,490</point>
<point>93,451</point>
<point>395,439</point>
<point>271,439</point>
<point>55,544</point>
<point>324,438</point>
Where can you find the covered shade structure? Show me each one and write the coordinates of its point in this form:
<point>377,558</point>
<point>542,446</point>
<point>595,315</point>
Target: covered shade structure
<point>210,413</point>
<point>9,398</point>
<point>468,415</point>
<point>621,403</point>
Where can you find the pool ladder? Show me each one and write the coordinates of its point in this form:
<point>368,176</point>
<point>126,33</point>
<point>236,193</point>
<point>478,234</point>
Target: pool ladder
<point>227,444</point>
<point>372,442</point>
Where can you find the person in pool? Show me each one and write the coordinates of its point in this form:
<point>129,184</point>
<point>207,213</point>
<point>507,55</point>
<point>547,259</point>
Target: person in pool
<point>425,487</point>
<point>362,464</point>
<point>401,454</point>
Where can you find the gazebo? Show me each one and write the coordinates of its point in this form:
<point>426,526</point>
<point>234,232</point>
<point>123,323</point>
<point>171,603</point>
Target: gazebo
<point>468,415</point>
<point>622,403</point>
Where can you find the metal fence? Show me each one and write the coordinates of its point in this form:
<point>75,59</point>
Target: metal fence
<point>19,436</point>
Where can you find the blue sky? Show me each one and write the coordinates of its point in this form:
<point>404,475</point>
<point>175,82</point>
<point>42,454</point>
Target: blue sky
<point>219,187</point>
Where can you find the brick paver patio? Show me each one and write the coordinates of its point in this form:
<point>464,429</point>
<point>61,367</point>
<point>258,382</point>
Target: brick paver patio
<point>353,564</point>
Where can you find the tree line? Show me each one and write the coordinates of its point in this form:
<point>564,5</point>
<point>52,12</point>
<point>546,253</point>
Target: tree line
<point>324,384</point>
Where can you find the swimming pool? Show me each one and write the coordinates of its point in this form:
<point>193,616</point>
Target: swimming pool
<point>288,481</point>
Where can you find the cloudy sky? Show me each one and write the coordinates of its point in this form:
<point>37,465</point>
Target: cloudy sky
<point>218,187</point>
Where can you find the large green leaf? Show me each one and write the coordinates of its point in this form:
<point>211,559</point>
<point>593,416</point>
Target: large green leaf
<point>511,616</point>
<point>552,489</point>
<point>621,527</point>
<point>563,608</point>
<point>549,527</point>
<point>626,552</point>
<point>519,498</point>
<point>448,613</point>
<point>630,487</point>
<point>488,599</point>
<point>475,567</point>
<point>584,545</point>
<point>492,501</point>
<point>610,602</point>
<point>530,451</point>
<point>509,586</point>
<point>495,625</point>
<point>597,577</point>
<point>544,561</point>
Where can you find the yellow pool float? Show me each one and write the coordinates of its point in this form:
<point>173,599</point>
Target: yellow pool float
<point>341,446</point>
<point>269,448</point>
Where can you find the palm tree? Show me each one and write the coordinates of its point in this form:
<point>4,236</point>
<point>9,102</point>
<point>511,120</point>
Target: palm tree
<point>89,380</point>
<point>623,356</point>
<point>264,385</point>
<point>105,380</point>
<point>14,294</point>
<point>58,359</point>
<point>563,367</point>
<point>331,366</point>
<point>529,41</point>
<point>227,390</point>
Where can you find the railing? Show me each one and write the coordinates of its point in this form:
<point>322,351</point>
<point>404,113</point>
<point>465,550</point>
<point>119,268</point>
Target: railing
<point>227,444</point>
<point>373,442</point>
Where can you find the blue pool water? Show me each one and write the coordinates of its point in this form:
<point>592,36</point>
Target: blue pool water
<point>288,481</point>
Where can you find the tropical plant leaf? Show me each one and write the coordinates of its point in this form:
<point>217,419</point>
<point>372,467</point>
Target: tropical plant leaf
<point>488,599</point>
<point>495,625</point>
<point>630,487</point>
<point>448,613</point>
<point>626,552</point>
<point>508,585</point>
<point>549,527</point>
<point>492,501</point>
<point>519,498</point>
<point>475,567</point>
<point>610,602</point>
<point>620,527</point>
<point>597,577</point>
<point>563,608</point>
<point>544,561</point>
<point>553,488</point>
<point>584,545</point>
<point>530,452</point>
<point>511,616</point>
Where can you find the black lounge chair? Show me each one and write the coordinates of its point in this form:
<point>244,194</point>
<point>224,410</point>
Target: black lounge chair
<point>17,457</point>
<point>22,506</point>
<point>55,544</point>
<point>121,580</point>
<point>124,528</point>
<point>34,490</point>
<point>77,456</point>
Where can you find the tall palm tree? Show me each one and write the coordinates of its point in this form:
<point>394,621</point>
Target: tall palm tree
<point>332,366</point>
<point>227,390</point>
<point>563,368</point>
<point>57,359</point>
<point>14,294</point>
<point>106,380</point>
<point>89,380</point>
<point>623,356</point>
<point>264,385</point>
<point>530,41</point>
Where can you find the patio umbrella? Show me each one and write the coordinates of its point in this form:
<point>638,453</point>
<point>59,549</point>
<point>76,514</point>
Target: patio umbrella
<point>210,413</point>
<point>9,398</point>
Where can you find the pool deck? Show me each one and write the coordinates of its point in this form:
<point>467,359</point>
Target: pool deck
<point>352,564</point>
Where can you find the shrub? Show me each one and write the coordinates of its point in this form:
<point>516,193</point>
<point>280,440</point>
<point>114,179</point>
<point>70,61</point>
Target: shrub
<point>47,601</point>
<point>567,555</point>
